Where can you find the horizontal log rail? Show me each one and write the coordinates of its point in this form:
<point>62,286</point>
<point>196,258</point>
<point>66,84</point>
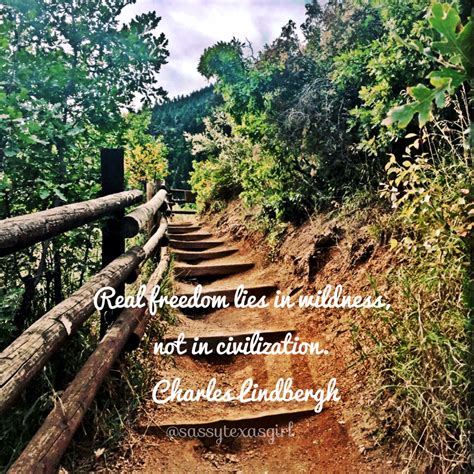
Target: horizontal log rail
<point>184,211</point>
<point>28,354</point>
<point>188,195</point>
<point>139,217</point>
<point>45,450</point>
<point>179,201</point>
<point>138,333</point>
<point>155,239</point>
<point>20,232</point>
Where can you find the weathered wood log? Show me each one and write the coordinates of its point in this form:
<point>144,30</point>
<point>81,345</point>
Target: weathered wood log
<point>185,272</point>
<point>183,229</point>
<point>194,237</point>
<point>150,192</point>
<point>17,233</point>
<point>155,239</point>
<point>28,354</point>
<point>45,450</point>
<point>155,279</point>
<point>238,418</point>
<point>213,339</point>
<point>178,190</point>
<point>188,195</point>
<point>188,256</point>
<point>139,217</point>
<point>229,293</point>
<point>195,245</point>
<point>181,224</point>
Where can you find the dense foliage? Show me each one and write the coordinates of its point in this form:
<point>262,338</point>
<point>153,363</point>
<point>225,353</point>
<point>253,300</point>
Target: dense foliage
<point>172,120</point>
<point>68,70</point>
<point>313,113</point>
<point>145,155</point>
<point>373,98</point>
<point>304,126</point>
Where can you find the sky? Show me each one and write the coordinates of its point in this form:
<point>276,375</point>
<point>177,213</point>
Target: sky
<point>193,25</point>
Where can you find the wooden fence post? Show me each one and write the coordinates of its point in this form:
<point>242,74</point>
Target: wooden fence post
<point>150,192</point>
<point>160,184</point>
<point>113,243</point>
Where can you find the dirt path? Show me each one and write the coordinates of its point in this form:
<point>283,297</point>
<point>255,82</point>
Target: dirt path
<point>310,442</point>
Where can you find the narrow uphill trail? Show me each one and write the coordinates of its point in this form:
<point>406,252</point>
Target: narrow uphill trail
<point>297,439</point>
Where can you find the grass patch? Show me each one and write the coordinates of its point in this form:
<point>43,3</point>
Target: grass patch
<point>423,347</point>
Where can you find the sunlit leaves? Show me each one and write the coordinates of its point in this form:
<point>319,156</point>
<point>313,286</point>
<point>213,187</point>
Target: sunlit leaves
<point>455,54</point>
<point>457,41</point>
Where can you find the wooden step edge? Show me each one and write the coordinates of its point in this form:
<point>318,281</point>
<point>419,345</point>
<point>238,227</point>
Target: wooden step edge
<point>239,336</point>
<point>195,245</point>
<point>258,291</point>
<point>188,237</point>
<point>261,418</point>
<point>182,224</point>
<point>229,293</point>
<point>184,229</point>
<point>184,256</point>
<point>181,211</point>
<point>190,271</point>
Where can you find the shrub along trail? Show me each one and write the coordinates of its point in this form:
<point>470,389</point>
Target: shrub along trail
<point>230,436</point>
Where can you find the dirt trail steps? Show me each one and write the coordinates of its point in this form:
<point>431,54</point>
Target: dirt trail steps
<point>316,440</point>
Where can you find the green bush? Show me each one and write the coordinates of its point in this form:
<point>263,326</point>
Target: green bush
<point>303,127</point>
<point>425,352</point>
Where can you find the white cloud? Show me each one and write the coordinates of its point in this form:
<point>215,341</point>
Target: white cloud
<point>193,25</point>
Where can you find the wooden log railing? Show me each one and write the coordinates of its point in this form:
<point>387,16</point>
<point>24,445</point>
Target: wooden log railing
<point>188,196</point>
<point>138,218</point>
<point>25,357</point>
<point>139,331</point>
<point>45,450</point>
<point>20,232</point>
<point>29,353</point>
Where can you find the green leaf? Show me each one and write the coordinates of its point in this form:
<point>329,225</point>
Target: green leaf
<point>445,19</point>
<point>75,131</point>
<point>456,49</point>
<point>5,182</point>
<point>456,46</point>
<point>44,193</point>
<point>402,115</point>
<point>60,195</point>
<point>452,77</point>
<point>420,92</point>
<point>466,43</point>
<point>9,152</point>
<point>35,139</point>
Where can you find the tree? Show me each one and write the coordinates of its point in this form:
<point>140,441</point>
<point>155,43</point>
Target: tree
<point>223,60</point>
<point>67,69</point>
<point>145,155</point>
<point>172,119</point>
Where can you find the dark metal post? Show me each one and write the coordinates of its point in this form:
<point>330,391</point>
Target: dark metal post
<point>113,244</point>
